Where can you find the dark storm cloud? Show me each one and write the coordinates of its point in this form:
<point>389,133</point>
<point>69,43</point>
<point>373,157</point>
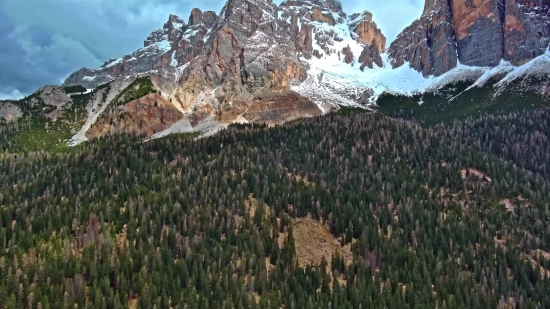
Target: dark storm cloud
<point>43,41</point>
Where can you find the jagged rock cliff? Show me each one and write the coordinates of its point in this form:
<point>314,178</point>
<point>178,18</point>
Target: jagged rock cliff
<point>474,33</point>
<point>261,62</point>
<point>225,67</point>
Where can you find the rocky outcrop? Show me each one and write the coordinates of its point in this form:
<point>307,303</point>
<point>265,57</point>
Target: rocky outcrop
<point>428,44</point>
<point>172,31</point>
<point>474,32</point>
<point>195,18</point>
<point>164,49</point>
<point>348,55</point>
<point>227,66</point>
<point>145,116</point>
<point>369,57</point>
<point>279,105</point>
<point>50,95</point>
<point>9,112</point>
<point>367,31</point>
<point>318,15</point>
<point>526,30</point>
<point>478,31</point>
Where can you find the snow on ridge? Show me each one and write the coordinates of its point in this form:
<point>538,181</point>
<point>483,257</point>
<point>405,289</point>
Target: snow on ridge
<point>174,61</point>
<point>163,45</point>
<point>539,65</point>
<point>117,61</point>
<point>331,80</point>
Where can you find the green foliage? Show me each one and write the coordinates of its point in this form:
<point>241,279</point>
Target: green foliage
<point>36,132</point>
<point>123,223</point>
<point>455,102</point>
<point>141,87</point>
<point>74,89</point>
<point>40,133</point>
<point>102,86</point>
<point>189,135</point>
<point>349,111</point>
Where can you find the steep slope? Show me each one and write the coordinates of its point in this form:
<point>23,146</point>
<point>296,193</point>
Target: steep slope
<point>216,68</point>
<point>259,62</point>
<point>477,33</point>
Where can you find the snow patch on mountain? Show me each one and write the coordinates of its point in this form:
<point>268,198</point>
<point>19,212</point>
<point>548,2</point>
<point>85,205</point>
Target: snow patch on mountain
<point>331,80</point>
<point>538,66</point>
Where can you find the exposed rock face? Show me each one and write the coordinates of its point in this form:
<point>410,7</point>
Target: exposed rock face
<point>238,64</point>
<point>369,57</point>
<point>348,54</point>
<point>9,112</point>
<point>196,17</point>
<point>526,29</point>
<point>52,96</point>
<point>280,104</point>
<point>318,15</point>
<point>146,116</point>
<point>427,45</point>
<point>479,32</point>
<point>164,49</point>
<point>367,31</point>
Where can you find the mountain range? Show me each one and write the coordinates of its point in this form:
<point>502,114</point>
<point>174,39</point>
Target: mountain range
<point>259,62</point>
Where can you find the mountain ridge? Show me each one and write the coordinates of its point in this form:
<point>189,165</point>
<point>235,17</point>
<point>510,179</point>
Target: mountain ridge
<point>265,63</point>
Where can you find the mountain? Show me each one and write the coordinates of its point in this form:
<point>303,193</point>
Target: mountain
<point>258,62</point>
<point>474,33</point>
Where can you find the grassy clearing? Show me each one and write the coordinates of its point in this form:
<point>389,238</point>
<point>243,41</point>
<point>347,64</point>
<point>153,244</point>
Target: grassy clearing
<point>438,108</point>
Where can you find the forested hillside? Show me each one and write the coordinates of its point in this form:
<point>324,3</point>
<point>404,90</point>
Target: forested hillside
<point>451,216</point>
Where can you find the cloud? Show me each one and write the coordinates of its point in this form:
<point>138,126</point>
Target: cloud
<point>11,93</point>
<point>46,40</point>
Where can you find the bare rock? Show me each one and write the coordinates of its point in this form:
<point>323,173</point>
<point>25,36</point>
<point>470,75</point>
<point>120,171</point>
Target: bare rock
<point>348,55</point>
<point>53,96</point>
<point>526,30</point>
<point>428,43</point>
<point>145,116</point>
<point>370,56</point>
<point>478,31</point>
<point>474,32</point>
<point>196,17</point>
<point>279,105</point>
<point>9,112</point>
<point>367,31</point>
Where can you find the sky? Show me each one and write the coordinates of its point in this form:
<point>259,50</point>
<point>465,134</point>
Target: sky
<point>43,41</point>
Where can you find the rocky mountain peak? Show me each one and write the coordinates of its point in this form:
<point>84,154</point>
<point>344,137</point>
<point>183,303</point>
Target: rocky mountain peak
<point>196,17</point>
<point>325,11</point>
<point>326,5</point>
<point>367,31</point>
<point>428,43</point>
<point>473,32</point>
<point>171,31</point>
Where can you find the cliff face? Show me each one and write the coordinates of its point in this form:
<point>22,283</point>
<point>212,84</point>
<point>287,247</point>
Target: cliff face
<point>367,31</point>
<point>226,67</point>
<point>474,32</point>
<point>526,29</point>
<point>428,43</point>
